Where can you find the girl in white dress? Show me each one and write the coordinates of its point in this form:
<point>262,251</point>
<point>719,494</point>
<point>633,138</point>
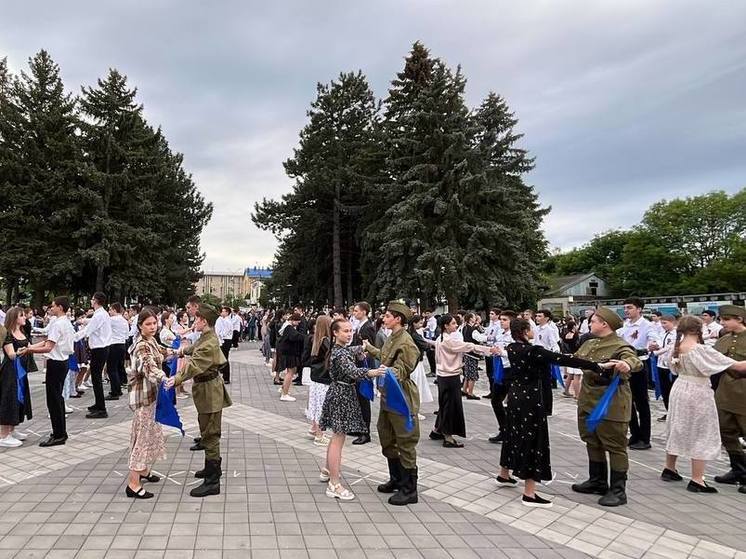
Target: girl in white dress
<point>692,425</point>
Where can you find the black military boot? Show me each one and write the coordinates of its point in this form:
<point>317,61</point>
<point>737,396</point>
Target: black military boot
<point>211,484</point>
<point>202,473</point>
<point>394,477</point>
<point>616,495</point>
<point>407,493</point>
<point>737,470</point>
<point>598,483</point>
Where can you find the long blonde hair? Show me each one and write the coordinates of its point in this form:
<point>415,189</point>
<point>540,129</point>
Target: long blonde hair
<point>323,330</point>
<point>687,325</point>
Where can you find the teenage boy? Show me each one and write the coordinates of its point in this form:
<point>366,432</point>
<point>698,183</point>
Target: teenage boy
<point>98,332</point>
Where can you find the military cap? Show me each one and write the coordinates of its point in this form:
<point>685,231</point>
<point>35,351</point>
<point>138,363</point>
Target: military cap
<point>610,317</point>
<point>732,310</point>
<point>208,313</point>
<point>400,307</point>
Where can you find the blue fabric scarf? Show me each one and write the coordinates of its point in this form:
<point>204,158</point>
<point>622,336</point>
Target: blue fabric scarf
<point>20,375</point>
<point>395,399</point>
<point>598,413</point>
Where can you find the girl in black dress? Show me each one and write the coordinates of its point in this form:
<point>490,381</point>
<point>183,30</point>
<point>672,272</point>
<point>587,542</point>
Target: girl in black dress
<point>526,447</point>
<point>289,353</point>
<point>12,411</point>
<point>341,411</point>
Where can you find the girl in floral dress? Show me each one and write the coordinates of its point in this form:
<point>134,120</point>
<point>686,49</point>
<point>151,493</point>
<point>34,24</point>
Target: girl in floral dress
<point>341,411</point>
<point>146,437</point>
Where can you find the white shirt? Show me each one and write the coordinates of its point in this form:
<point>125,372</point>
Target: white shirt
<point>236,321</point>
<point>547,336</point>
<point>133,327</point>
<point>666,350</point>
<point>60,332</point>
<point>120,329</point>
<point>167,336</point>
<point>502,339</point>
<point>638,334</point>
<point>711,332</point>
<point>224,328</point>
<point>432,326</point>
<point>2,315</point>
<point>585,326</point>
<point>98,330</point>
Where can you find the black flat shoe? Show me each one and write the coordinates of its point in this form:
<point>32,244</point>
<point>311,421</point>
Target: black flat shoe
<point>362,439</point>
<point>536,501</point>
<point>152,478</point>
<point>497,439</point>
<point>92,408</point>
<point>97,414</point>
<point>506,481</point>
<point>472,397</point>
<point>111,397</point>
<point>695,487</point>
<point>139,494</point>
<point>53,441</point>
<point>670,475</point>
<point>77,395</point>
<point>639,445</point>
<point>436,436</point>
<point>452,444</point>
<point>197,446</point>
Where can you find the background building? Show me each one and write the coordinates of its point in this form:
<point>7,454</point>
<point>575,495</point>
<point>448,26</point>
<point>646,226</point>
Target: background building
<point>567,293</point>
<point>229,285</point>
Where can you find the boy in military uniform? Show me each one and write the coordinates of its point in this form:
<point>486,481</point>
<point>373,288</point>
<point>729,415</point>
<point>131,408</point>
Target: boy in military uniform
<point>398,445</point>
<point>611,434</point>
<point>730,395</point>
<point>209,395</point>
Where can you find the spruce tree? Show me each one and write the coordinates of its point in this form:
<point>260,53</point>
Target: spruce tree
<point>43,190</point>
<point>317,223</point>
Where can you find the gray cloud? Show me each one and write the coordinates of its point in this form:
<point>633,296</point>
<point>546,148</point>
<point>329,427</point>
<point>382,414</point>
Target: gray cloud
<point>622,103</point>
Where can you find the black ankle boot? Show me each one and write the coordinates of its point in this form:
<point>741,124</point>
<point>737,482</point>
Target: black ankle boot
<point>737,470</point>
<point>211,484</point>
<point>597,484</point>
<point>407,493</point>
<point>202,473</point>
<point>395,476</point>
<point>617,491</point>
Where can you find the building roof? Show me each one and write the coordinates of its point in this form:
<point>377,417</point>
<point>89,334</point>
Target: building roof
<point>560,284</point>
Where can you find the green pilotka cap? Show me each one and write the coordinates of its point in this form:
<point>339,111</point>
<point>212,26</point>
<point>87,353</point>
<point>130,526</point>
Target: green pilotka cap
<point>611,318</point>
<point>400,307</point>
<point>208,313</point>
<point>732,310</point>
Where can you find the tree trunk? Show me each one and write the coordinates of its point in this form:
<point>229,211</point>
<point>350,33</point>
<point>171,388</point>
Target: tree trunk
<point>37,300</point>
<point>336,253</point>
<point>100,277</point>
<point>350,300</point>
<point>452,303</point>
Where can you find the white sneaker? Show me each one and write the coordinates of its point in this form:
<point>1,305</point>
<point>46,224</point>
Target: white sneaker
<point>18,435</point>
<point>81,387</point>
<point>321,441</point>
<point>324,475</point>
<point>312,435</point>
<point>287,398</point>
<point>339,492</point>
<point>68,409</point>
<point>10,442</point>
<point>421,417</point>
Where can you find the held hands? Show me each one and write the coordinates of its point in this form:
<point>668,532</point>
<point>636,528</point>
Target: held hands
<point>379,372</point>
<point>496,350</point>
<point>618,366</point>
<point>22,351</point>
<point>169,382</point>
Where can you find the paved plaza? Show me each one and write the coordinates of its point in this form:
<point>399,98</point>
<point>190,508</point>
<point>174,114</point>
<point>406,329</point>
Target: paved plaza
<point>69,501</point>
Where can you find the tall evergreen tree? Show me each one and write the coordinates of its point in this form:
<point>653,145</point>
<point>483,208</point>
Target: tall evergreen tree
<point>44,190</point>
<point>317,223</point>
<point>443,233</point>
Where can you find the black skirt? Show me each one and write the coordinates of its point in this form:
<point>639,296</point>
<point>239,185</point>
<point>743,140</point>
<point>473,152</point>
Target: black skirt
<point>450,420</point>
<point>12,412</point>
<point>285,361</point>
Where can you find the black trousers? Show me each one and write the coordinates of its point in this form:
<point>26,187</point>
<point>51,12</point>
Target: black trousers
<point>499,392</point>
<point>115,368</point>
<point>666,380</point>
<point>54,382</point>
<point>226,369</point>
<point>639,424</point>
<point>236,336</point>
<point>98,360</point>
<point>430,354</point>
<point>251,332</point>
<point>364,408</point>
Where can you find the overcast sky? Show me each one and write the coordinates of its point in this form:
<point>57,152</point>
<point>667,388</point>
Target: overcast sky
<point>621,103</point>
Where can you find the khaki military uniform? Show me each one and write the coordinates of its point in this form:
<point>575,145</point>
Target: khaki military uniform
<point>208,392</point>
<point>401,354</point>
<point>611,434</point>
<point>730,396</point>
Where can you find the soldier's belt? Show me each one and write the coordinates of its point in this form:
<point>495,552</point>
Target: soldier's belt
<point>206,377</point>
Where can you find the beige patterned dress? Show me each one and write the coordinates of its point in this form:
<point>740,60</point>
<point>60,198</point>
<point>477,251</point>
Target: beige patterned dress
<point>147,443</point>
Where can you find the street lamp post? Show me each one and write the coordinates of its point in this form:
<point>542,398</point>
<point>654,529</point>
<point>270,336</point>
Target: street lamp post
<point>289,286</point>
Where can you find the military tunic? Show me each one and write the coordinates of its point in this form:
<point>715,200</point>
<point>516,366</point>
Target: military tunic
<point>401,354</point>
<point>208,392</point>
<point>611,434</point>
<point>730,396</point>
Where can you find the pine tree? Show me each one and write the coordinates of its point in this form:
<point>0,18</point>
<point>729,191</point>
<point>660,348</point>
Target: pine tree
<point>44,191</point>
<point>317,222</point>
